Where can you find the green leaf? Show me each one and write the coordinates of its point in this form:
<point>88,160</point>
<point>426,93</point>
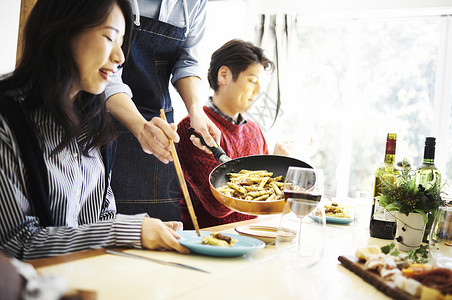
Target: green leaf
<point>395,252</point>
<point>386,249</point>
<point>412,185</point>
<point>393,206</point>
<point>405,210</point>
<point>381,197</point>
<point>382,200</point>
<point>419,255</point>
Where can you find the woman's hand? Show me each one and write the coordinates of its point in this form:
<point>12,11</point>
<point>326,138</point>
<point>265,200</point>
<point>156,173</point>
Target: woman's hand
<point>154,136</point>
<point>175,225</point>
<point>158,235</point>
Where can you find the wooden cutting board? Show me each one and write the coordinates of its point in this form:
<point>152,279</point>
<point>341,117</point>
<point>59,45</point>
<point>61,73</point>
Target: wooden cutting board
<point>373,278</point>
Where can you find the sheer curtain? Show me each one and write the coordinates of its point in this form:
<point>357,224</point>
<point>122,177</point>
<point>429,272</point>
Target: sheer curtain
<point>275,34</point>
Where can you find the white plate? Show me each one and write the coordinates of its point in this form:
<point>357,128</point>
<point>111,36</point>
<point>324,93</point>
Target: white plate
<point>333,220</point>
<point>267,234</point>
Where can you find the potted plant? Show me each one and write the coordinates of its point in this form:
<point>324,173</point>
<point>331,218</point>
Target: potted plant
<point>411,204</point>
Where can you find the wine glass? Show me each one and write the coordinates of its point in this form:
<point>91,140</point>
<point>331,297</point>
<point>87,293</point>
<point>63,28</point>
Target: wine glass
<point>296,244</point>
<point>440,240</point>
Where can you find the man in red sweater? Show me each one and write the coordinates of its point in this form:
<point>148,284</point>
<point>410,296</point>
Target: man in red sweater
<point>233,75</point>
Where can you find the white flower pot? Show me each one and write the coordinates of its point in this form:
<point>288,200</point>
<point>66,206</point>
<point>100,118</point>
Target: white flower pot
<point>410,231</point>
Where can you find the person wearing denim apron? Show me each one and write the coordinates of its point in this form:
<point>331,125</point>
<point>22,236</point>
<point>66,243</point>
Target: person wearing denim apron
<point>140,181</point>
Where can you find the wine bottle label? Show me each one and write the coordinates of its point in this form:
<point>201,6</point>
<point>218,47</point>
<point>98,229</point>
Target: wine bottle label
<point>382,214</point>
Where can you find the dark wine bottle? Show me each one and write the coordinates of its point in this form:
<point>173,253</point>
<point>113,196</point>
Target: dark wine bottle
<point>427,172</point>
<point>382,223</point>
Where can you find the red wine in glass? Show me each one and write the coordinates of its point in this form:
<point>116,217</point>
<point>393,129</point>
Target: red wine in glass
<point>302,203</point>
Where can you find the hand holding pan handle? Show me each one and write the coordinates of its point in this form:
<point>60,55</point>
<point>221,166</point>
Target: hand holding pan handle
<point>217,152</point>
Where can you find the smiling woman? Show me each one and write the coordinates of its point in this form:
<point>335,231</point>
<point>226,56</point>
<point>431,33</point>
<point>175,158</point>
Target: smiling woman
<point>97,52</point>
<point>55,190</point>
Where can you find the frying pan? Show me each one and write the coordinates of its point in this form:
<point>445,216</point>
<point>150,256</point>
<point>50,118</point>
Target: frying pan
<point>272,163</point>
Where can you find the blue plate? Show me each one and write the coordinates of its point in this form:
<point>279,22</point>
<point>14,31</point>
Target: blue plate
<point>333,220</point>
<point>244,244</point>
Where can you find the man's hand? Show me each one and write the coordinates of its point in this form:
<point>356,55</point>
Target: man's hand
<point>154,138</point>
<point>189,88</point>
<point>283,148</point>
<point>209,131</point>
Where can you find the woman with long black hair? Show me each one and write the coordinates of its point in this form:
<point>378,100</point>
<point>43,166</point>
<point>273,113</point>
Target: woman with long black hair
<point>55,195</point>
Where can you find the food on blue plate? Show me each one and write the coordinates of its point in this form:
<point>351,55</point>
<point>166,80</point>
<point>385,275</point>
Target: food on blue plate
<point>218,239</point>
<point>334,210</point>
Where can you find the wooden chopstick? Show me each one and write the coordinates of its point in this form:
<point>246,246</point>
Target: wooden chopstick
<point>180,175</point>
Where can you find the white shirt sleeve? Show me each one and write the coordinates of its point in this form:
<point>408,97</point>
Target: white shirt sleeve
<point>188,63</point>
<point>116,85</point>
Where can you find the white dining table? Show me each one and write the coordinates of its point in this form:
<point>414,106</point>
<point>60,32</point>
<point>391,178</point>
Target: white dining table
<point>259,274</point>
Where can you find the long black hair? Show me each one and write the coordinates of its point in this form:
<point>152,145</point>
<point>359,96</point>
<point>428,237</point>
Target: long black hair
<point>47,71</point>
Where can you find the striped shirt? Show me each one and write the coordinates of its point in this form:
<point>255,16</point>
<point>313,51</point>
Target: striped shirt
<point>83,220</point>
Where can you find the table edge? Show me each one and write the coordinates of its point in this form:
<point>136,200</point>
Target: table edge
<point>60,259</point>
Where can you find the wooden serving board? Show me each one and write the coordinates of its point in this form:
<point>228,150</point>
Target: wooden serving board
<point>373,278</point>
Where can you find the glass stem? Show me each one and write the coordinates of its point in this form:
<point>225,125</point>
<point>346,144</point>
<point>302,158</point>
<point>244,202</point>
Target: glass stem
<point>299,234</point>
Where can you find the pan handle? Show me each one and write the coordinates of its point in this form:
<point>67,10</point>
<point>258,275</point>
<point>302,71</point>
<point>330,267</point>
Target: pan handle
<point>217,152</point>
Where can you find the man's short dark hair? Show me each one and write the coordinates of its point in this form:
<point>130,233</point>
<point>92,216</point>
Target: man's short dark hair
<point>237,55</point>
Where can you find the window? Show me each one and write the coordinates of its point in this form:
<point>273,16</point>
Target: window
<point>353,81</point>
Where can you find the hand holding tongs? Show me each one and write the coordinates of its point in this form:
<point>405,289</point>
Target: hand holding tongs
<point>217,151</point>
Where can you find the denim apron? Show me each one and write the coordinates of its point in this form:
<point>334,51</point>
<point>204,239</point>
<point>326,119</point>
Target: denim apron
<point>140,182</point>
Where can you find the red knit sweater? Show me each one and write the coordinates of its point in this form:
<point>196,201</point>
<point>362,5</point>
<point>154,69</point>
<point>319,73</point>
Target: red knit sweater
<point>237,141</point>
